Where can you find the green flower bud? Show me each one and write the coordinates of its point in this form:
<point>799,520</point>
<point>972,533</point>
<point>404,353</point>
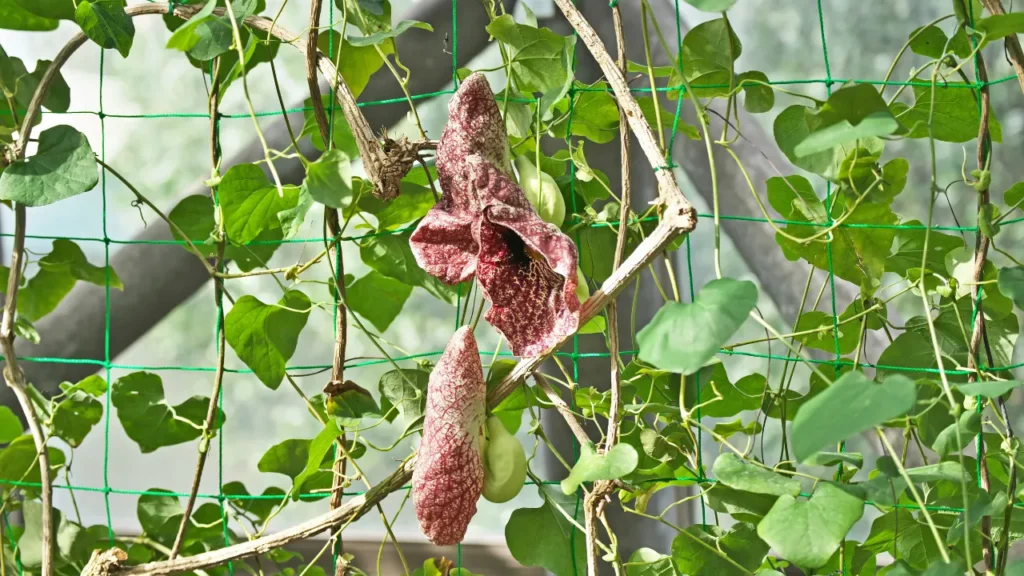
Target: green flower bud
<point>542,192</point>
<point>504,463</point>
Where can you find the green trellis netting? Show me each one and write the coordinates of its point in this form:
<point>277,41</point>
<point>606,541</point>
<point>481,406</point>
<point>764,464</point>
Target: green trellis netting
<point>109,485</point>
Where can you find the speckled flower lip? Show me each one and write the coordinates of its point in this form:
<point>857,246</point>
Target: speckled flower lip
<point>449,474</point>
<point>484,225</point>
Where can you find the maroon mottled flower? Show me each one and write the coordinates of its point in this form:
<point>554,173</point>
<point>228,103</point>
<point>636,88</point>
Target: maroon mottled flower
<point>446,248</point>
<point>484,225</point>
<point>449,474</point>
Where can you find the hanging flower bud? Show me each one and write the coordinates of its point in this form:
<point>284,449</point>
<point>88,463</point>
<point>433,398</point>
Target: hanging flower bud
<point>449,473</point>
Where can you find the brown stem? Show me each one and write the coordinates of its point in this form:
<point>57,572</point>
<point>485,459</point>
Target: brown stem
<point>1011,43</point>
<point>16,380</point>
<point>338,371</point>
<point>311,79</point>
<point>334,228</point>
<point>981,245</point>
<point>593,505</point>
<point>218,378</point>
<point>620,244</point>
<point>562,407</point>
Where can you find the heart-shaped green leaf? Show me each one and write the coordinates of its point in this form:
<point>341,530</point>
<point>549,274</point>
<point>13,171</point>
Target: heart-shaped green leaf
<point>683,337</point>
<point>808,532</point>
<point>852,404</point>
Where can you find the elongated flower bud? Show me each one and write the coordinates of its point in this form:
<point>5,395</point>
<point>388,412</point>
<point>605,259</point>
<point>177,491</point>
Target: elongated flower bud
<point>449,474</point>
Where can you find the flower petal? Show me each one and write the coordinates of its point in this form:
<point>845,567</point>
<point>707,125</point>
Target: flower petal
<point>526,266</point>
<point>475,126</point>
<point>444,245</point>
<point>449,474</point>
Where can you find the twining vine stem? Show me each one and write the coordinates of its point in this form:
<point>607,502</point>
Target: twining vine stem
<point>218,378</point>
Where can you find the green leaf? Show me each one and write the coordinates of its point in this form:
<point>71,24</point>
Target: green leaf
<point>807,533</point>
<point>377,298</point>
<point>291,219</point>
<point>65,534</point>
<point>14,17</point>
<point>43,293</point>
<point>824,338</point>
<point>63,166</point>
<point>375,14</point>
<point>159,515</point>
<point>380,37</point>
<point>992,389</point>
<point>18,462</point>
<point>67,257</point>
<point>390,255</point>
<point>194,215</point>
<point>742,506</point>
<point>541,59</point>
<point>708,57</point>
<point>406,389</point>
<point>980,506</point>
<point>318,453</point>
<point>711,550</point>
<point>187,35</point>
<point>647,562</point>
<point>56,9</point>
<point>728,429</point>
<point>358,65</point>
<point>261,506</point>
<point>829,459</point>
<point>289,458</point>
<point>794,198</point>
<point>412,203</point>
<point>349,402</point>
<point>928,41</point>
<point>910,246</point>
<point>1000,26</point>
<point>544,537</point>
<point>251,203</point>
<point>852,404</point>
<point>949,441</point>
<point>759,97</point>
<point>58,273</point>
<point>329,179</point>
<point>341,133</point>
<point>10,425</point>
<point>213,37</point>
<point>79,410</point>
<point>149,420</point>
<point>1011,284</point>
<point>25,330</point>
<point>264,335</point>
<point>711,5</point>
<point>106,23</point>
<point>1014,195</point>
<point>956,115</point>
<point>595,116</point>
<point>682,337</point>
<point>851,113</point>
<point>857,254</point>
<point>739,474</point>
<point>613,464</point>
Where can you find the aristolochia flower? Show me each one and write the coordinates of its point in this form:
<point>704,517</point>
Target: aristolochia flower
<point>484,225</point>
<point>449,474</point>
